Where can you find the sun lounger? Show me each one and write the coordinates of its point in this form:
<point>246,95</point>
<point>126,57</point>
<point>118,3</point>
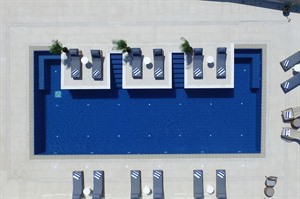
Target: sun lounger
<point>158,184</point>
<point>221,63</point>
<point>290,134</point>
<point>75,64</point>
<point>97,68</point>
<point>291,113</point>
<point>137,69</point>
<point>198,184</point>
<point>98,191</point>
<point>159,58</point>
<point>271,181</point>
<point>221,184</point>
<point>78,184</point>
<point>198,63</point>
<point>291,61</point>
<point>291,83</point>
<point>136,187</point>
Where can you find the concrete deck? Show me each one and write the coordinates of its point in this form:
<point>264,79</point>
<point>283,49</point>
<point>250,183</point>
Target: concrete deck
<point>145,24</point>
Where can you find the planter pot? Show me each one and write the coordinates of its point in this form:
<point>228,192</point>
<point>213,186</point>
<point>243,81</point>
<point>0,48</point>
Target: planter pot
<point>126,57</point>
<point>188,59</point>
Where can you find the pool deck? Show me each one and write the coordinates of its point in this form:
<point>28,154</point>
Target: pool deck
<point>94,24</point>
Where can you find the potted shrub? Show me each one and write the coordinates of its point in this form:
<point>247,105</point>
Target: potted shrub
<point>57,47</point>
<point>185,46</point>
<point>121,45</point>
<point>126,50</point>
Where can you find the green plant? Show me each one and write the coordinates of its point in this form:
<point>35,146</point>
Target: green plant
<point>185,47</point>
<point>121,45</point>
<point>56,47</point>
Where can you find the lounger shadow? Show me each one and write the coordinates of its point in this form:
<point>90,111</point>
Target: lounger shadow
<point>78,184</point>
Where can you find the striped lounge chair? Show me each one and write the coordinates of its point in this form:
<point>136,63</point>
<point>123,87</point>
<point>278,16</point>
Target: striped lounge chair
<point>221,63</point>
<point>98,191</point>
<point>198,184</point>
<point>221,184</point>
<point>78,184</point>
<point>137,65</point>
<point>136,187</point>
<point>159,58</point>
<point>97,69</point>
<point>291,113</point>
<point>291,61</point>
<point>290,134</point>
<point>198,63</point>
<point>75,64</point>
<point>291,83</point>
<point>158,184</point>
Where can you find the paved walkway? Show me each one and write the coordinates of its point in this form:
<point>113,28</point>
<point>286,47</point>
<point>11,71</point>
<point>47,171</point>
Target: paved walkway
<point>143,24</point>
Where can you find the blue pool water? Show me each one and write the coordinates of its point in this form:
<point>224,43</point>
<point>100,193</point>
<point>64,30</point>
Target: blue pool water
<point>175,121</point>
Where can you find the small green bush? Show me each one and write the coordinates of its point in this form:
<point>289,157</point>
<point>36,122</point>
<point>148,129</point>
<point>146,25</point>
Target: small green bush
<point>56,47</point>
<point>185,47</point>
<point>121,45</point>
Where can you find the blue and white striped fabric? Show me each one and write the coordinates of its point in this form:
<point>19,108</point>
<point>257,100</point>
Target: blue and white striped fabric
<point>75,72</point>
<point>96,73</point>
<point>286,85</point>
<point>197,72</point>
<point>97,175</point>
<point>221,174</point>
<point>221,71</point>
<point>76,175</point>
<point>198,174</point>
<point>135,174</point>
<point>286,63</point>
<point>136,72</point>
<point>158,72</point>
<point>157,174</point>
<point>288,115</point>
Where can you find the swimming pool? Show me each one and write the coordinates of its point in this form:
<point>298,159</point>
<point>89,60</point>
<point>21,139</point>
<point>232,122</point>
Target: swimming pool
<point>171,121</point>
